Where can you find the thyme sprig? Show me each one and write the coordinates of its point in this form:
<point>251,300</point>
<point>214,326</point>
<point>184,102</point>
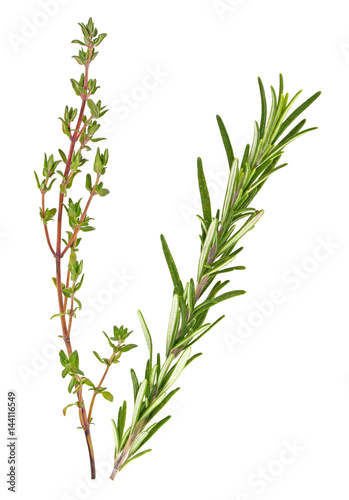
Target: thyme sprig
<point>80,126</point>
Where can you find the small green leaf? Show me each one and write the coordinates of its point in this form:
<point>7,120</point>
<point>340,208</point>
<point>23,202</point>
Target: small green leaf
<point>135,383</point>
<point>138,441</point>
<point>78,303</point>
<point>263,107</point>
<point>128,347</point>
<point>255,147</point>
<point>138,403</point>
<point>108,396</point>
<point>88,382</point>
<point>75,86</point>
<point>98,357</point>
<point>190,360</point>
<point>82,90</point>
<point>226,141</point>
<point>296,113</point>
<point>97,139</point>
<point>204,333</point>
<point>93,108</point>
<point>221,265</point>
<point>125,438</point>
<point>113,346</point>
<point>71,384</point>
<point>208,244</point>
<point>191,296</point>
<point>164,403</point>
<point>192,335</point>
<point>204,193</point>
<point>59,314</point>
<point>99,39</point>
<point>250,224</point>
<point>122,419</point>
<point>116,438</point>
<point>134,458</point>
<point>103,192</point>
<point>63,357</point>
<point>231,187</point>
<point>228,295</point>
<point>74,359</point>
<point>79,60</point>
<point>68,406</point>
<point>155,427</point>
<point>271,121</point>
<point>62,155</point>
<point>37,180</point>
<point>165,368</point>
<point>152,407</point>
<point>147,335</point>
<point>177,283</point>
<point>173,324</point>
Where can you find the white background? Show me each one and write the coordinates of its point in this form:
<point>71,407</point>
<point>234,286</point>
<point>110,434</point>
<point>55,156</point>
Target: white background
<point>287,380</point>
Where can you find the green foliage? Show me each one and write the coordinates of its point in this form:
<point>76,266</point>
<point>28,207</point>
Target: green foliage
<point>101,161</point>
<point>71,368</point>
<point>48,173</point>
<point>81,127</point>
<point>49,214</point>
<point>97,110</point>
<point>119,336</point>
<point>220,236</point>
<point>82,131</point>
<point>221,232</point>
<point>91,40</point>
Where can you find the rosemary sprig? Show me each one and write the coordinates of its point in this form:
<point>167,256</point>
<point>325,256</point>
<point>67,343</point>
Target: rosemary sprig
<point>220,239</point>
<point>80,127</point>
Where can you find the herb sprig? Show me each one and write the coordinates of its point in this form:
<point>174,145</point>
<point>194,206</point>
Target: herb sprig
<point>220,240</point>
<point>80,126</point>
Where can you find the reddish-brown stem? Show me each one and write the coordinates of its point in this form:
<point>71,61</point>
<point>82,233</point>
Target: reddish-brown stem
<point>90,452</point>
<point>83,128</point>
<point>61,305</point>
<point>82,218</point>
<point>62,302</point>
<point>114,355</point>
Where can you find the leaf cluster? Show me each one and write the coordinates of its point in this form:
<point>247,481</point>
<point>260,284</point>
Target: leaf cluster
<point>84,88</point>
<point>117,343</point>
